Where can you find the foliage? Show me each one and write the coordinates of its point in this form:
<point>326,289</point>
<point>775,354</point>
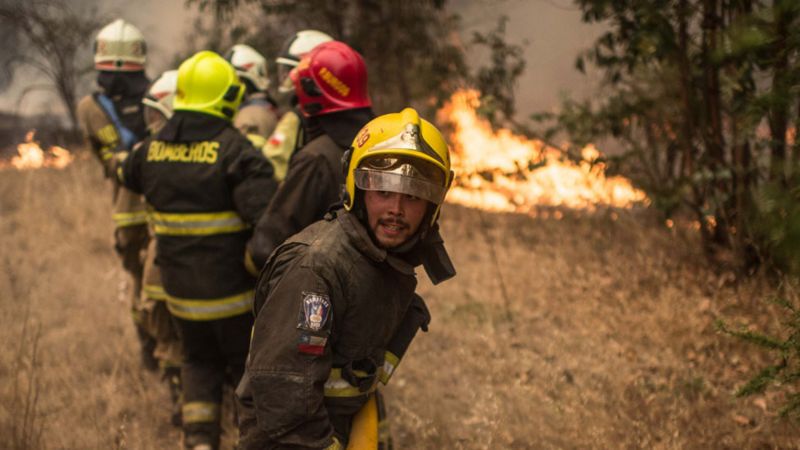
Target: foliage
<point>412,53</point>
<point>52,39</point>
<point>702,96</point>
<point>786,371</point>
<point>497,81</point>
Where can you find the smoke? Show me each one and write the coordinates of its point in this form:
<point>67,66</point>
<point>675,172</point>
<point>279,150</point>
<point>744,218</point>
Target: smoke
<point>552,28</point>
<point>10,39</point>
<point>555,36</point>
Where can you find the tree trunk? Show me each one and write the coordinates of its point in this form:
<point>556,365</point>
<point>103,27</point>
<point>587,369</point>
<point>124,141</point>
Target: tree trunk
<point>687,90</point>
<point>779,115</point>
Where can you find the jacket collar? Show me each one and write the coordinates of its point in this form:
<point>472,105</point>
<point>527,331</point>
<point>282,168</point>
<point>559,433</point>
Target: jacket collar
<point>190,126</point>
<point>361,240</point>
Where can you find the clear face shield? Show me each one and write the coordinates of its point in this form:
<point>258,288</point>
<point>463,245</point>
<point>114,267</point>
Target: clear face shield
<point>413,177</point>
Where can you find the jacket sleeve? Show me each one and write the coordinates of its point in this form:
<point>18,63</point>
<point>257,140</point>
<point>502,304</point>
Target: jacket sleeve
<point>127,167</point>
<point>99,132</point>
<point>299,202</point>
<point>252,181</point>
<point>289,361</point>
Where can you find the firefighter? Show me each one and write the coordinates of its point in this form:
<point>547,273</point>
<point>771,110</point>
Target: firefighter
<point>157,319</point>
<point>288,134</point>
<point>112,121</point>
<point>257,114</point>
<point>335,305</point>
<point>331,87</point>
<point>206,185</point>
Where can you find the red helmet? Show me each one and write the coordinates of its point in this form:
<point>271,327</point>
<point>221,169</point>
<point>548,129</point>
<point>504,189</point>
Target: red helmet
<point>332,77</point>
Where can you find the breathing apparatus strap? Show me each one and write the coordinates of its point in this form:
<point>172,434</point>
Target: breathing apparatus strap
<point>126,137</point>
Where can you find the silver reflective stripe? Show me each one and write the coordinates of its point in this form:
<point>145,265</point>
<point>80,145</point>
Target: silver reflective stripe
<point>199,412</point>
<point>196,223</point>
<point>210,309</point>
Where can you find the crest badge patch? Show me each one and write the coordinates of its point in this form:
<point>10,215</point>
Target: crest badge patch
<point>316,309</point>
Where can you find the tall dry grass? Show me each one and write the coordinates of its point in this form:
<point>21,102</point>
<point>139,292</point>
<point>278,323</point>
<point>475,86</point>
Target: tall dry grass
<point>584,332</point>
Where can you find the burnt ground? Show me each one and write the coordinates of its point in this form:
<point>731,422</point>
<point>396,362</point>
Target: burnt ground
<point>592,331</point>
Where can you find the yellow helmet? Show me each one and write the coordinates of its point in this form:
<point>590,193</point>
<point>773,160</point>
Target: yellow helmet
<point>208,84</point>
<point>403,153</point>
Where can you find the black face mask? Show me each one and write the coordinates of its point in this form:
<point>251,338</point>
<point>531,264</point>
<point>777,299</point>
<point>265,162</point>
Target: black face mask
<point>123,84</point>
<point>126,90</point>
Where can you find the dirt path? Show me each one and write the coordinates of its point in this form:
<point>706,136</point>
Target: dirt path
<point>604,337</point>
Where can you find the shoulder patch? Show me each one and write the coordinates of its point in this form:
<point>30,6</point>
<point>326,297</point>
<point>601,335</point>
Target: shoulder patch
<point>316,309</point>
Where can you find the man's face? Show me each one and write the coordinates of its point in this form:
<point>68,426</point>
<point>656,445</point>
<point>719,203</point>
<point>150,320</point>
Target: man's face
<point>393,217</point>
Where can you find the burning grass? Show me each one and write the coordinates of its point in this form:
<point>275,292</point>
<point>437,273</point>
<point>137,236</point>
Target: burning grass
<point>497,170</point>
<point>30,155</point>
<point>573,331</point>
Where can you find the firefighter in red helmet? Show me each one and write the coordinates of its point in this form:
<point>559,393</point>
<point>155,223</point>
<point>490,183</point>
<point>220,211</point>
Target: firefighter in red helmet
<point>331,87</point>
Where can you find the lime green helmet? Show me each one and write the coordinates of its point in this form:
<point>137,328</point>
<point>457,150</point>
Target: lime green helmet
<point>208,84</point>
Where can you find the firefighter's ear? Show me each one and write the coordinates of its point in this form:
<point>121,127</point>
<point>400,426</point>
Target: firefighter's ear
<point>348,154</point>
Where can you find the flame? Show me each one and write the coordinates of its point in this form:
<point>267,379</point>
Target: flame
<point>497,170</point>
<point>31,156</point>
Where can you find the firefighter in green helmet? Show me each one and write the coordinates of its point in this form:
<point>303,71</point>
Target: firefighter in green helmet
<point>206,185</point>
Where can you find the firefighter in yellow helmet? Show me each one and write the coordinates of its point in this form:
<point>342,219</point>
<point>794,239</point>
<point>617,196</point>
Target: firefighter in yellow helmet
<point>258,113</point>
<point>335,305</point>
<point>206,185</point>
<point>289,134</point>
<point>112,121</point>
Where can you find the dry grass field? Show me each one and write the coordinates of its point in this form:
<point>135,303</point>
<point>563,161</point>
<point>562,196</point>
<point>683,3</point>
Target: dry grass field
<point>583,332</point>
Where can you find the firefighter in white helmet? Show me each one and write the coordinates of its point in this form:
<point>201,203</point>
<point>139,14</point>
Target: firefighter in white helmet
<point>257,115</point>
<point>156,318</point>
<point>113,121</point>
<point>288,134</point>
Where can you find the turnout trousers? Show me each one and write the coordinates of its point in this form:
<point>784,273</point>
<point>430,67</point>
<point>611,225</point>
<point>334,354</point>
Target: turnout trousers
<point>214,353</point>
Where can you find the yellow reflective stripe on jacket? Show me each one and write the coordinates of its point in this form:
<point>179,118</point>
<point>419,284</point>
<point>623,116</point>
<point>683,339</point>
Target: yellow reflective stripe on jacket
<point>390,362</point>
<point>336,445</point>
<point>106,153</point>
<point>212,308</point>
<point>336,386</point>
<point>200,412</point>
<point>154,291</point>
<point>196,224</point>
<point>129,219</point>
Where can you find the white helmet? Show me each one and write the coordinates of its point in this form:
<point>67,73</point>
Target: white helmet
<point>120,47</point>
<point>294,48</point>
<point>298,45</point>
<point>162,92</point>
<point>250,65</point>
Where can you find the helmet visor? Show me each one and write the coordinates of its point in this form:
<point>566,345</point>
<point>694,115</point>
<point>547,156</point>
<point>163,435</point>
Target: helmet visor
<point>375,180</point>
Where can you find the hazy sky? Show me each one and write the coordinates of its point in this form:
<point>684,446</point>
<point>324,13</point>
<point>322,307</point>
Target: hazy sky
<point>552,28</point>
